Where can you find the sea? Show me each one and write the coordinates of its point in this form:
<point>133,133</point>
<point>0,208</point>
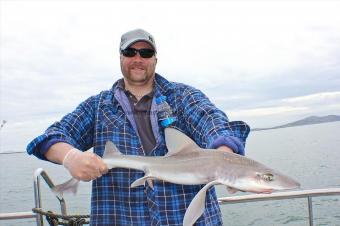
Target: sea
<point>310,154</point>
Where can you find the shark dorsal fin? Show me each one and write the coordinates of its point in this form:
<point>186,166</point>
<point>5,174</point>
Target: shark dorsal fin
<point>178,143</point>
<point>110,150</point>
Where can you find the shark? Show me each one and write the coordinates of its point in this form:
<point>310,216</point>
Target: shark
<point>188,164</point>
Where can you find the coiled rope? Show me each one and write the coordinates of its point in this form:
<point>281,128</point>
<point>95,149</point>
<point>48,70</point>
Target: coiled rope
<point>57,219</point>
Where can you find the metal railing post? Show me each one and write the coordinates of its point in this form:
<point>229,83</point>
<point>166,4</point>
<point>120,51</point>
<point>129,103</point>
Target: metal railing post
<point>310,211</point>
<point>37,194</point>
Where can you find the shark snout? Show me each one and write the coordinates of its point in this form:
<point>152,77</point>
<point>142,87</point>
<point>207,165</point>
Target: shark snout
<point>286,183</point>
<point>292,184</point>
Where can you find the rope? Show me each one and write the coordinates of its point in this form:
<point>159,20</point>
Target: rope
<point>68,220</point>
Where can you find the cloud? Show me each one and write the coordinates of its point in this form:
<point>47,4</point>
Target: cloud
<point>259,61</point>
<point>289,109</point>
<point>267,111</point>
<point>316,98</point>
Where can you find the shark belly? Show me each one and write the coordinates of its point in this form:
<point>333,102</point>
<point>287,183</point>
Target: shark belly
<point>188,173</point>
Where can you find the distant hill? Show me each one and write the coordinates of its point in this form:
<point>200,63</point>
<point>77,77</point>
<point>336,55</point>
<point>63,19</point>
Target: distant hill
<point>306,121</point>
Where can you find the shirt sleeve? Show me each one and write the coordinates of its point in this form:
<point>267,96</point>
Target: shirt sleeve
<point>75,128</point>
<point>209,126</point>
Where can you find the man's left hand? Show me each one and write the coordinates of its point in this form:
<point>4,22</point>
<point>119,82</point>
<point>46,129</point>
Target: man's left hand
<point>225,148</point>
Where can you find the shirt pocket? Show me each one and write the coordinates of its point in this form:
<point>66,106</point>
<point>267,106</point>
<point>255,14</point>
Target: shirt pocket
<point>110,117</point>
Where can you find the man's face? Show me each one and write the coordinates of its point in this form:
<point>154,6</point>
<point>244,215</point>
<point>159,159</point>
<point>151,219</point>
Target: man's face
<point>137,70</point>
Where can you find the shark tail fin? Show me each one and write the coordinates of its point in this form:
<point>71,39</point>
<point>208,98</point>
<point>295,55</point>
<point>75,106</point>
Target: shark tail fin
<point>110,150</point>
<point>197,205</point>
<point>70,186</point>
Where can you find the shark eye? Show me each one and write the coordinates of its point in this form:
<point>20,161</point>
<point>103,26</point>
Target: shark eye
<point>268,177</point>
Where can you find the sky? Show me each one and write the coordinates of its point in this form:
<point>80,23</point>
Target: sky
<point>264,62</point>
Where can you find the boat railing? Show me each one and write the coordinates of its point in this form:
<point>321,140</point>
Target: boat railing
<point>308,194</point>
<point>38,174</point>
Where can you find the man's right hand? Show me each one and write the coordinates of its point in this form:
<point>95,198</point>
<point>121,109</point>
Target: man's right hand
<point>84,166</point>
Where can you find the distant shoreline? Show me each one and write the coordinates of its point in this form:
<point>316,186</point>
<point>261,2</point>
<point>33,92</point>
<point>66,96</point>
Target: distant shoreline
<point>12,152</point>
<point>312,120</point>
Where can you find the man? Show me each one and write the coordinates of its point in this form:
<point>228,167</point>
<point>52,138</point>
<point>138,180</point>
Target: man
<point>133,115</point>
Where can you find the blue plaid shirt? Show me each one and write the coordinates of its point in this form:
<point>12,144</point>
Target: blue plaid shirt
<point>108,116</point>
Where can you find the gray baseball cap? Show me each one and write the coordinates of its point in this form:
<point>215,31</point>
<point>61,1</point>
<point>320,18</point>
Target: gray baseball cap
<point>134,36</point>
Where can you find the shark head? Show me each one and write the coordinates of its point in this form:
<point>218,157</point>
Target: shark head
<point>255,177</point>
<point>266,182</point>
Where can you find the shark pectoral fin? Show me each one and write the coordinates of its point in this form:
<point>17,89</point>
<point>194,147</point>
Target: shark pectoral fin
<point>197,205</point>
<point>141,181</point>
<point>70,186</point>
<point>150,183</point>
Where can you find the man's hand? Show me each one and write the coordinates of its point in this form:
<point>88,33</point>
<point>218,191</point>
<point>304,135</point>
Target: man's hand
<point>84,166</point>
<point>225,148</point>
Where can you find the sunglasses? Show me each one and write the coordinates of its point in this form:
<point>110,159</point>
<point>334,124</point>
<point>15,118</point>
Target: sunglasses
<point>144,53</point>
